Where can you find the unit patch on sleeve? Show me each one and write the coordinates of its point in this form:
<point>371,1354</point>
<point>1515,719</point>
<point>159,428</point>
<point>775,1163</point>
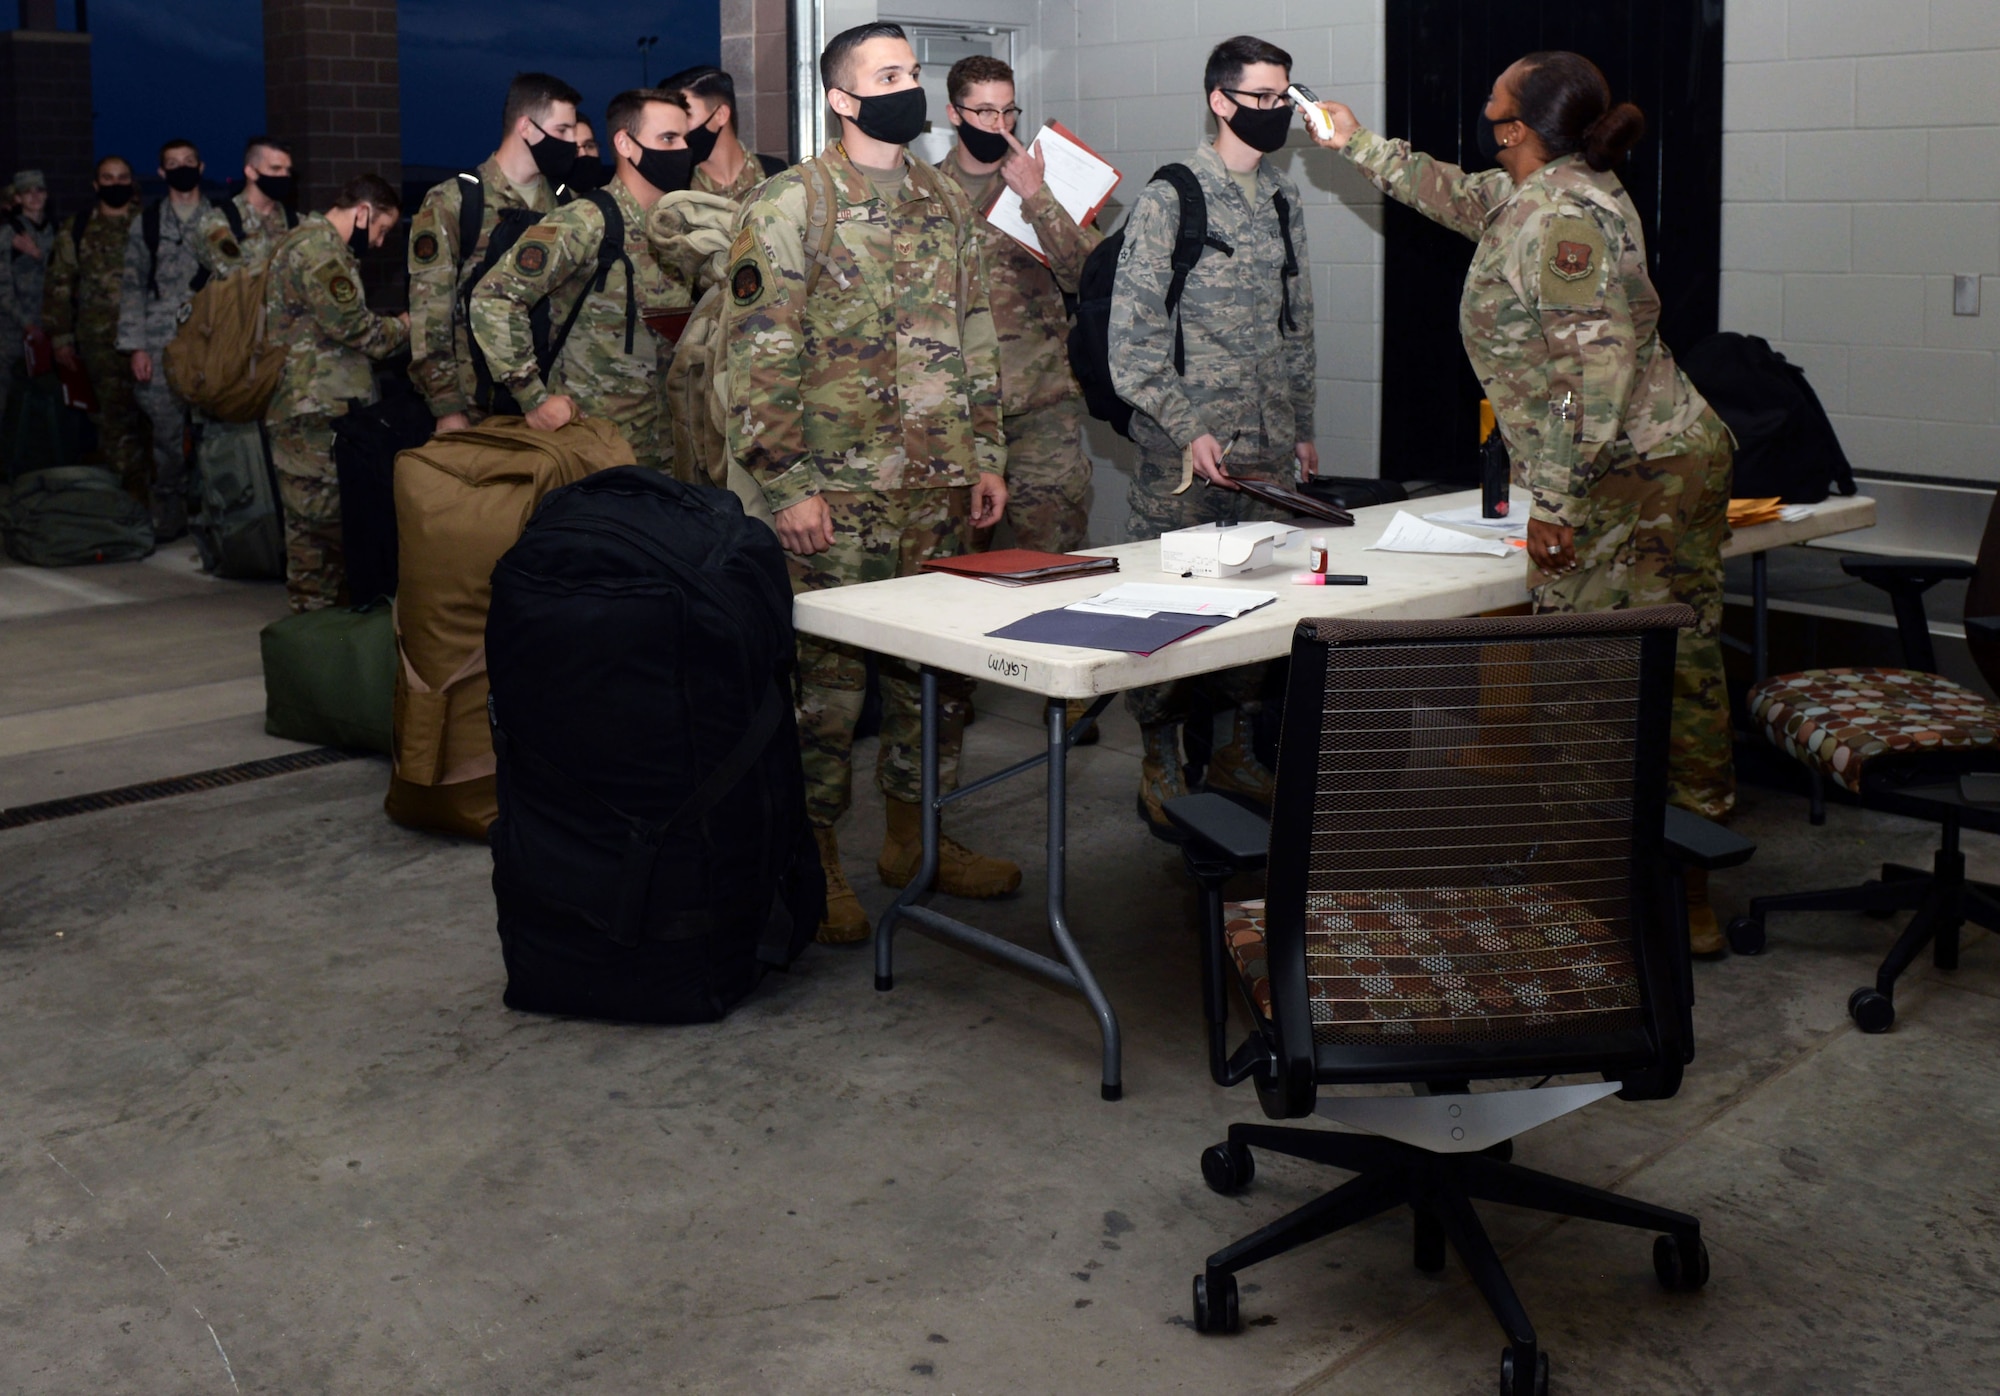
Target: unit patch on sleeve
<point>343,290</point>
<point>746,282</point>
<point>425,248</point>
<point>531,258</point>
<point>1573,264</point>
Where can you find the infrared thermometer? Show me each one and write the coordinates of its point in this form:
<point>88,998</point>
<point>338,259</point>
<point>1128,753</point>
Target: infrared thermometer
<point>1317,120</point>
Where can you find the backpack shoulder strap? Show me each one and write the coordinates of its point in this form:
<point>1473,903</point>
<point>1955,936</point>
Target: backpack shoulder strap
<point>234,217</point>
<point>471,213</point>
<point>149,229</point>
<point>822,208</point>
<point>1189,239</point>
<point>610,252</point>
<point>771,165</point>
<point>76,227</point>
<point>1291,268</point>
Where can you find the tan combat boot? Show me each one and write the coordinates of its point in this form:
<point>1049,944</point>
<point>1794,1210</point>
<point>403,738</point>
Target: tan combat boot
<point>1073,714</point>
<point>1704,936</point>
<point>845,923</point>
<point>961,872</point>
<point>1162,777</point>
<point>1234,769</point>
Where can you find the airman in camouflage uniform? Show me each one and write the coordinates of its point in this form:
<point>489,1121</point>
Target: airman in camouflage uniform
<point>30,236</point>
<point>538,121</point>
<point>80,311</point>
<point>1246,323</point>
<point>611,364</point>
<point>864,398</point>
<point>245,242</point>
<point>1560,321</point>
<point>315,308</point>
<point>1048,474</point>
<point>157,284</point>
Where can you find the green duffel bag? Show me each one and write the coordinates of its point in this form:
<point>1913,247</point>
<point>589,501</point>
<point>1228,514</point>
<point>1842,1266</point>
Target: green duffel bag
<point>330,677</point>
<point>38,429</point>
<point>72,514</point>
<point>232,503</point>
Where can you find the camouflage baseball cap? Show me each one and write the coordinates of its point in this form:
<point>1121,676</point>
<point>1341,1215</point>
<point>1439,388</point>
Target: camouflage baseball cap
<point>24,180</point>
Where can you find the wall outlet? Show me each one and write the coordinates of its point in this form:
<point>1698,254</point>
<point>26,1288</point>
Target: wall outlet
<point>1965,295</point>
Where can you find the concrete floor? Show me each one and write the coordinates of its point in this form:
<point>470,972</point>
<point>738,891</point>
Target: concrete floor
<point>264,1125</point>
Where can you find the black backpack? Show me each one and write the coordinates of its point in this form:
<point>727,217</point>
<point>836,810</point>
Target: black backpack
<point>365,443</point>
<point>652,857</point>
<point>1785,446</point>
<point>507,230</point>
<point>1090,336</point>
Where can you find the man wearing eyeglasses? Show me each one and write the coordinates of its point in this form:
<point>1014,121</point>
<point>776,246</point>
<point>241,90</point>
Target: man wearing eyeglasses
<point>1048,474</point>
<point>1223,385</point>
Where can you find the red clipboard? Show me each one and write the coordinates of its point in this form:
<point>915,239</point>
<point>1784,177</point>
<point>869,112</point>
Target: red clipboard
<point>1090,215</point>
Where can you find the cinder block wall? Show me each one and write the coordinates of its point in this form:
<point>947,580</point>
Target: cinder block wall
<point>1861,169</point>
<point>330,82</point>
<point>45,111</point>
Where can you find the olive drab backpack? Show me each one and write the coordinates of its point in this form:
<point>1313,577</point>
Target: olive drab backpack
<point>549,337</point>
<point>221,360</point>
<point>1090,336</point>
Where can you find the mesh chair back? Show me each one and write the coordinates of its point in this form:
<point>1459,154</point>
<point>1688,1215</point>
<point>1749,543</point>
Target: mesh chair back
<point>1466,840</point>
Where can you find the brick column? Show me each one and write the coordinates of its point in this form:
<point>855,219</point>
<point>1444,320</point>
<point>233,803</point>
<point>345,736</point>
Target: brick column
<point>45,107</point>
<point>756,53</point>
<point>330,88</point>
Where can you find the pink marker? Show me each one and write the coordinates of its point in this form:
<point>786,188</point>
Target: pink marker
<point>1328,579</point>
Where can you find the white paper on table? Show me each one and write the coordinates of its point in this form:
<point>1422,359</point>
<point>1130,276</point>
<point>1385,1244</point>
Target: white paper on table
<point>1792,513</point>
<point>1147,599</point>
<point>1407,533</point>
<point>1470,517</point>
<point>1080,181</point>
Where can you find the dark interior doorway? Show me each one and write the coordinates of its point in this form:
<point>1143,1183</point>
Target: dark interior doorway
<point>1443,55</point>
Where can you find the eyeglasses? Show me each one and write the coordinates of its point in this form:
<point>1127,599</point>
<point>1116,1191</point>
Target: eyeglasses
<point>1009,114</point>
<point>1258,101</point>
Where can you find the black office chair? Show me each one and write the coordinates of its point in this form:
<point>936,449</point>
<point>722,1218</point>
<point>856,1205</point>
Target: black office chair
<point>1468,879</point>
<point>1908,741</point>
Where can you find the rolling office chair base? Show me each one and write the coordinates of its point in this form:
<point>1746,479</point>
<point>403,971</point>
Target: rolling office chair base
<point>1440,1190</point>
<point>1943,900</point>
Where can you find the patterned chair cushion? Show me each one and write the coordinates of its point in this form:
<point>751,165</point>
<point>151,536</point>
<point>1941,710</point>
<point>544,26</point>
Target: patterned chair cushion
<point>1837,719</point>
<point>1450,965</point>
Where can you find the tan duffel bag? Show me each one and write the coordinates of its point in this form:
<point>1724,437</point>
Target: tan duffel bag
<point>462,500</point>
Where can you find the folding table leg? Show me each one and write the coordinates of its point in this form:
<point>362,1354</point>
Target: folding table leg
<point>1058,856</point>
<point>920,885</point>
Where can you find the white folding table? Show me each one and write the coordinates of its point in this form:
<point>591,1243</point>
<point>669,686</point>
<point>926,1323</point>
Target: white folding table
<point>941,622</point>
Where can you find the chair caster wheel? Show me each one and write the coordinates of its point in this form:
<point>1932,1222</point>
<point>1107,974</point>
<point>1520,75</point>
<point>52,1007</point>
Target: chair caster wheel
<point>1746,935</point>
<point>1215,1304</point>
<point>1871,1010</point>
<point>1524,1385</point>
<point>1227,1168</point>
<point>1680,1267</point>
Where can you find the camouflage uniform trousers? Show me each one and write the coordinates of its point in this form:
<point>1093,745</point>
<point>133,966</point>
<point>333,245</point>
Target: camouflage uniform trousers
<point>121,427</point>
<point>302,451</point>
<point>1048,478</point>
<point>1653,536</point>
<point>169,418</point>
<point>876,535</point>
<point>1156,509</point>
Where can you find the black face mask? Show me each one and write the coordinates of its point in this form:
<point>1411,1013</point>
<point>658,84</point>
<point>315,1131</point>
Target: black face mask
<point>553,156</point>
<point>893,118</point>
<point>588,174</point>
<point>668,171</point>
<point>701,143</point>
<point>985,147</point>
<point>357,240</point>
<point>184,179</point>
<point>116,195</point>
<point>277,188</point>
<point>1488,136</point>
<point>1262,130</point>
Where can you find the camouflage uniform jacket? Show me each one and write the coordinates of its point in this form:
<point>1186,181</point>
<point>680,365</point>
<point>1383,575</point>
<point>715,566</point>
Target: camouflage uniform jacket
<point>610,365</point>
<point>1028,309</point>
<point>1250,365</point>
<point>740,188</point>
<point>152,293</point>
<point>313,305</point>
<point>83,284</point>
<point>440,352</point>
<point>221,252</point>
<point>21,288</point>
<point>1558,308</point>
<point>889,376</point>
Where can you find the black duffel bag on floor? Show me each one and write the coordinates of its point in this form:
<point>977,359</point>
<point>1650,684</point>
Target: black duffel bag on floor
<point>652,857</point>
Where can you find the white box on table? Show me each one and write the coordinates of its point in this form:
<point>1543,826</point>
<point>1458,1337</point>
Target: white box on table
<point>1222,550</point>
